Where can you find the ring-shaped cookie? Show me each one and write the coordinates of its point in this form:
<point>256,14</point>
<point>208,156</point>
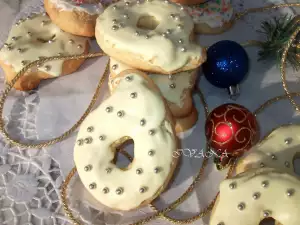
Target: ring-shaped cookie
<point>135,110</point>
<point>36,37</point>
<point>74,16</point>
<point>256,195</point>
<point>176,89</point>
<point>154,36</point>
<point>278,150</point>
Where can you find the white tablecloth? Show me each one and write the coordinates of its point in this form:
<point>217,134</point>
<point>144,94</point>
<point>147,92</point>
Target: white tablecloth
<point>30,179</point>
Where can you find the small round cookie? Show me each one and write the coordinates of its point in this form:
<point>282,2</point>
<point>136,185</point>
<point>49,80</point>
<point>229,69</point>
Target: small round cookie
<point>154,36</point>
<point>212,17</point>
<point>277,150</point>
<point>75,16</point>
<point>255,195</point>
<point>126,115</point>
<point>35,38</point>
<point>176,89</point>
<point>186,123</point>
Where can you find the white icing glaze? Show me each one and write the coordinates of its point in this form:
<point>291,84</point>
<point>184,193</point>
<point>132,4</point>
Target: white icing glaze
<point>183,81</point>
<point>34,44</point>
<point>214,13</point>
<point>92,7</point>
<point>272,199</point>
<point>147,105</point>
<point>278,150</point>
<point>163,52</point>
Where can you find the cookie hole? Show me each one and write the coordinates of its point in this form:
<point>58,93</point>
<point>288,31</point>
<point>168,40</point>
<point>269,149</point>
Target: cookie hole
<point>124,153</point>
<point>296,164</point>
<point>269,221</point>
<point>147,22</point>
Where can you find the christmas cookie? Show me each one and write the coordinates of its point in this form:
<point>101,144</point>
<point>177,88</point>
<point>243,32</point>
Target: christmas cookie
<point>186,123</point>
<point>126,115</point>
<point>75,16</point>
<point>255,195</point>
<point>176,89</point>
<point>34,38</point>
<point>278,150</point>
<point>212,17</point>
<point>153,36</point>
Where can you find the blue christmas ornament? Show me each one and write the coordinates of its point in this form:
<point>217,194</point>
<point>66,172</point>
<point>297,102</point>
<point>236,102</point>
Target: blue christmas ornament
<point>226,66</point>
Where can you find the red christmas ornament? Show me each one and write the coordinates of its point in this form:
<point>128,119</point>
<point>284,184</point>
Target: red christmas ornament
<point>231,129</point>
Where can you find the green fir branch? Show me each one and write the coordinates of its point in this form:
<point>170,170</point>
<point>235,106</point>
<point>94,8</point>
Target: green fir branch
<point>277,33</point>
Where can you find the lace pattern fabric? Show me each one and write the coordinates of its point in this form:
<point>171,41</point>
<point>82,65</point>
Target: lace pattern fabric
<point>30,179</point>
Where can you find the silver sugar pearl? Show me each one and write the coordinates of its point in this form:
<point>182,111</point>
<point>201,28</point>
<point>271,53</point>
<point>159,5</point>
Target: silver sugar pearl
<point>50,41</point>
<point>126,16</point>
<point>232,185</point>
<point>79,46</point>
<point>170,76</point>
<point>137,33</point>
<point>262,165</point>
<point>114,7</point>
<point>6,45</point>
<point>127,3</point>
<point>288,141</point>
<point>122,25</point>
<point>47,68</point>
<point>142,122</point>
<point>241,206</point>
<point>109,109</point>
<point>143,189</point>
<point>265,184</point>
<point>9,48</point>
<point>19,50</point>
<point>177,18</point>
<point>166,1</point>
<point>23,63</point>
<point>138,2</point>
<point>115,27</point>
<point>139,171</point>
<point>133,95</point>
<point>273,157</point>
<point>267,213</point>
<point>119,191</point>
<point>164,34</point>
<point>180,41</point>
<point>60,54</point>
<point>108,170</point>
<point>128,78</point>
<point>256,195</point>
<point>90,129</point>
<point>151,132</point>
<point>114,67</point>
<point>168,31</point>
<point>151,152</point>
<point>120,113</point>
<point>157,170</point>
<point>181,8</point>
<point>172,85</point>
<point>80,142</point>
<point>183,49</point>
<point>114,21</point>
<point>43,23</point>
<point>172,16</point>
<point>92,186</point>
<point>71,41</point>
<point>29,34</point>
<point>88,168</point>
<point>147,36</point>
<point>88,140</point>
<point>14,38</point>
<point>221,223</point>
<point>179,26</point>
<point>287,164</point>
<point>101,137</point>
<point>105,190</point>
<point>290,192</point>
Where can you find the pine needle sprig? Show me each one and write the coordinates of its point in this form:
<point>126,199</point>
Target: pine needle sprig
<point>277,33</point>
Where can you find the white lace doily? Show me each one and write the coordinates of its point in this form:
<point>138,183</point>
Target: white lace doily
<point>30,179</point>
